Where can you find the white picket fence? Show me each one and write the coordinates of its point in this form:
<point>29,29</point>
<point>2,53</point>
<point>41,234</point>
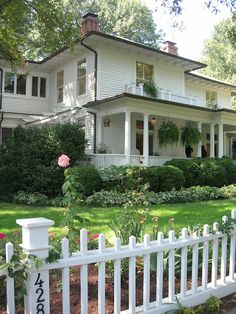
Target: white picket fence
<point>222,269</point>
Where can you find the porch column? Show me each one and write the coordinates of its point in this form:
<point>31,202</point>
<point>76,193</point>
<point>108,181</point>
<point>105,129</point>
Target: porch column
<point>99,130</point>
<point>212,140</point>
<point>199,145</point>
<point>221,141</point>
<point>127,137</point>
<point>145,139</point>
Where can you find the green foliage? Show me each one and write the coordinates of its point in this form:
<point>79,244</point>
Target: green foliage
<point>190,135</point>
<point>168,134</point>
<point>86,180</point>
<point>151,89</point>
<point>219,52</point>
<point>28,160</point>
<point>121,178</point>
<point>169,178</point>
<point>206,171</point>
<point>31,198</point>
<point>213,305</point>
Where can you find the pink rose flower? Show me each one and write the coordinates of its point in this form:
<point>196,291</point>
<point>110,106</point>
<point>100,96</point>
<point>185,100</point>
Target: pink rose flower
<point>88,233</point>
<point>63,161</point>
<point>90,239</point>
<point>2,235</point>
<point>96,235</point>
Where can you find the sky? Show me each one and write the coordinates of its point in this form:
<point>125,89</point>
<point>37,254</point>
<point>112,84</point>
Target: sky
<point>198,26</point>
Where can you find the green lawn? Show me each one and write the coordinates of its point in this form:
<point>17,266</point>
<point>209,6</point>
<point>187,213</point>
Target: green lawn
<point>184,214</point>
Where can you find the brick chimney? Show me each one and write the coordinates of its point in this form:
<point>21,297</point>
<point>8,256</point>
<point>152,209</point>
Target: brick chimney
<point>89,23</point>
<point>169,47</point>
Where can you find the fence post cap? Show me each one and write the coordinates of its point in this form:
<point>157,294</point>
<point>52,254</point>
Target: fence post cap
<point>35,222</point>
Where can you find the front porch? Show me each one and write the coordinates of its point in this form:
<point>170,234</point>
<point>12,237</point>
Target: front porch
<point>107,160</point>
<point>128,129</point>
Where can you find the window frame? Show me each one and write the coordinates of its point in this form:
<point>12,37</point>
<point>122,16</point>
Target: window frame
<point>143,79</point>
<point>15,81</point>
<point>211,103</point>
<point>82,77</point>
<point>39,79</point>
<point>60,86</point>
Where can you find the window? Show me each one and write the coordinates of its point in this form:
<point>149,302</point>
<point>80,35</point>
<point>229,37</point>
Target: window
<point>15,84</point>
<point>140,124</point>
<point>6,133</point>
<point>60,83</point>
<point>9,86</point>
<point>211,99</point>
<point>144,72</point>
<point>39,86</point>
<point>81,74</point>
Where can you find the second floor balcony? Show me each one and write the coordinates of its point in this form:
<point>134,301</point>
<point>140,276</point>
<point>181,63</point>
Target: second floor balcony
<point>163,94</point>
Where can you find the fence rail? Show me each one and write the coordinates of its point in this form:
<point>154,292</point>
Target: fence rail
<point>211,255</point>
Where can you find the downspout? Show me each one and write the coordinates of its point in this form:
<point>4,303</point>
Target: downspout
<point>1,112</point>
<point>95,95</point>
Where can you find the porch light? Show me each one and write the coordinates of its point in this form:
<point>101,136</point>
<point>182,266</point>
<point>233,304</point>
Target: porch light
<point>106,123</point>
<point>153,121</point>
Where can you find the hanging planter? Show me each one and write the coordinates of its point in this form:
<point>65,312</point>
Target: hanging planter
<point>190,135</point>
<point>150,89</point>
<point>168,134</point>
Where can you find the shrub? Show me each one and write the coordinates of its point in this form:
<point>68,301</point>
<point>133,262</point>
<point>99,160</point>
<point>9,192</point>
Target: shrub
<point>213,173</point>
<point>86,179</point>
<point>151,177</point>
<point>31,198</point>
<point>28,159</point>
<point>169,178</point>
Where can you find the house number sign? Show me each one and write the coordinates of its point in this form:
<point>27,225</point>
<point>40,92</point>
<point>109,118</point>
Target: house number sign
<point>39,291</point>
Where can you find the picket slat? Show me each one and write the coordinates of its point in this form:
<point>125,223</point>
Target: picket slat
<point>84,272</point>
<point>171,287</point>
<point>117,279</point>
<point>184,264</point>
<point>65,278</point>
<point>224,254</point>
<point>132,277</point>
<point>214,257</point>
<point>195,267</point>
<point>205,257</point>
<point>159,271</point>
<point>146,275</point>
<point>10,282</point>
<point>101,276</point>
<point>232,248</point>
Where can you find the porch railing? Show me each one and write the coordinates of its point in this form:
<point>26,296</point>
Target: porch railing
<point>162,94</point>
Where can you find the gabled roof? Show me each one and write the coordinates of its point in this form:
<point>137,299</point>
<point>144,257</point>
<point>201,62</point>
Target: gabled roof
<point>94,38</point>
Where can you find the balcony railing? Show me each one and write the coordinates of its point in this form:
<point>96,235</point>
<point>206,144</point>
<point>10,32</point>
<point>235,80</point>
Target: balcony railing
<point>162,94</point>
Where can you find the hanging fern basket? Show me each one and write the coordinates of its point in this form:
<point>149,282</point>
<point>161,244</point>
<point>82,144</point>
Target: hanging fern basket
<point>190,135</point>
<point>168,134</point>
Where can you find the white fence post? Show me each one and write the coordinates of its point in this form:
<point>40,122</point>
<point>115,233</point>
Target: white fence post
<point>35,242</point>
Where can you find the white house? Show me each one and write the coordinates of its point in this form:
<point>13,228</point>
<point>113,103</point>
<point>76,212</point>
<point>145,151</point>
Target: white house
<point>99,82</point>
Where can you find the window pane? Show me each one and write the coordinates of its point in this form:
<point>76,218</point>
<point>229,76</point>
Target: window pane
<point>60,78</point>
<point>144,72</point>
<point>139,70</point>
<point>21,84</point>
<point>82,68</point>
<point>9,82</point>
<point>34,86</point>
<point>42,87</point>
<point>211,98</point>
<point>148,72</point>
<point>82,86</point>
<point>59,94</point>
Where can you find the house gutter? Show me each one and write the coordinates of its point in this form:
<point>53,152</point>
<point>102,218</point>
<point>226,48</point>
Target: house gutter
<point>1,112</point>
<point>95,95</point>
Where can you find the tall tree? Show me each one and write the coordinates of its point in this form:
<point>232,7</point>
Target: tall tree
<point>220,52</point>
<point>32,29</point>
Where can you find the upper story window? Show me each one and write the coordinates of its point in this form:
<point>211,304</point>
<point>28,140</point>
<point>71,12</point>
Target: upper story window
<point>211,99</point>
<point>144,72</point>
<point>81,76</point>
<point>15,83</point>
<point>38,86</point>
<point>60,83</point>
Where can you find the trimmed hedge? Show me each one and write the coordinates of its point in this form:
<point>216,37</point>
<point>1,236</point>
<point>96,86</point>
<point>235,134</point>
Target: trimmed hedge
<point>28,160</point>
<point>206,171</point>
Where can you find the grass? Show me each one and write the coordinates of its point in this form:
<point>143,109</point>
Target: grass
<point>185,215</point>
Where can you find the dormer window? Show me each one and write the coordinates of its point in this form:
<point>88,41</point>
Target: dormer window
<point>60,84</point>
<point>81,77</point>
<point>144,72</point>
<point>211,99</point>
